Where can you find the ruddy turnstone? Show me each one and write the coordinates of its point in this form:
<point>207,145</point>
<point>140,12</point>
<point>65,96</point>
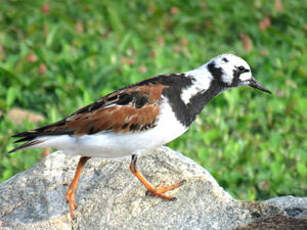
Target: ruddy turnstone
<point>140,117</point>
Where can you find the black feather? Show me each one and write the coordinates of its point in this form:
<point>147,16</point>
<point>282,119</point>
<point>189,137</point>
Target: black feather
<point>25,145</point>
<point>24,139</point>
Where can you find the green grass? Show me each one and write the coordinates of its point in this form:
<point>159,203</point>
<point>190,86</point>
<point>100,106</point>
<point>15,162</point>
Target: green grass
<point>254,144</point>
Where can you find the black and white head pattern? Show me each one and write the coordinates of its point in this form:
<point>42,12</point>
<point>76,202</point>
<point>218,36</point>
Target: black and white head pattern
<point>230,70</point>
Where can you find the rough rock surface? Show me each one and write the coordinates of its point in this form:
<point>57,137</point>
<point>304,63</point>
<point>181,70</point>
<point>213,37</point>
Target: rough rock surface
<point>110,197</point>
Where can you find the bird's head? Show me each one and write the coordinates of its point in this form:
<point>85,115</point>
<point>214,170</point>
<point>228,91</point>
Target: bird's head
<point>232,71</point>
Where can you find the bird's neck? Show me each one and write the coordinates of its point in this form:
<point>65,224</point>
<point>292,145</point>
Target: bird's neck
<point>198,101</point>
<point>190,100</point>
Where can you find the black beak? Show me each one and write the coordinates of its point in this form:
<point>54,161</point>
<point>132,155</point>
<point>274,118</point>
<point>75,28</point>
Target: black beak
<point>255,84</point>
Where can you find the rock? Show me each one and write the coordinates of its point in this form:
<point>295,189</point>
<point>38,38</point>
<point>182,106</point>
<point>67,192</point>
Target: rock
<point>110,197</point>
<point>277,222</point>
<point>293,206</point>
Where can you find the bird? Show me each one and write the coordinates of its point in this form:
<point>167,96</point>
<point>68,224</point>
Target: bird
<point>140,118</point>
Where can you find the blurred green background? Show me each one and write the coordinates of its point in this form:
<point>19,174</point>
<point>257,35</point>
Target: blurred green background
<point>57,56</point>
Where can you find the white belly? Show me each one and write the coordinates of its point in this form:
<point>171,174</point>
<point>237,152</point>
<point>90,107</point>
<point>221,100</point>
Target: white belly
<point>114,145</point>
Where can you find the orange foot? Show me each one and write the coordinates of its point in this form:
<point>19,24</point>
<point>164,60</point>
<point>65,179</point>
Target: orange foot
<point>70,194</point>
<point>70,197</point>
<point>160,190</point>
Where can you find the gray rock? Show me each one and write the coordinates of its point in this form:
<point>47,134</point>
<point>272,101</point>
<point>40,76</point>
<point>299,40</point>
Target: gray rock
<point>110,197</point>
<point>293,206</point>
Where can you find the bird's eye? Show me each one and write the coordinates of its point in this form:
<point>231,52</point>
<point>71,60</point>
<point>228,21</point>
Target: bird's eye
<point>241,68</point>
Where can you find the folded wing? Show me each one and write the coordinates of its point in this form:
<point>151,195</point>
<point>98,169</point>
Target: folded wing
<point>132,109</point>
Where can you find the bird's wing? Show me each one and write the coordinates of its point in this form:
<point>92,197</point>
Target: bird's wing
<point>128,110</point>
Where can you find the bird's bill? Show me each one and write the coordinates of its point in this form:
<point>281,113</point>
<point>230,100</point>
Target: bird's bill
<point>255,84</point>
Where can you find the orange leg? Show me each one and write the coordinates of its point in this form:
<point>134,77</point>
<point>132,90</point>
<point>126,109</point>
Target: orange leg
<point>151,190</point>
<point>70,194</point>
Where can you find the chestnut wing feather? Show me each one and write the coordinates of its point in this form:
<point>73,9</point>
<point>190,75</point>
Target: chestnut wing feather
<point>128,110</point>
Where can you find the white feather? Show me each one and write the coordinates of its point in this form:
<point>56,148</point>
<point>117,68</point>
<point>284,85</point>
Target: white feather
<point>202,82</point>
<point>245,76</point>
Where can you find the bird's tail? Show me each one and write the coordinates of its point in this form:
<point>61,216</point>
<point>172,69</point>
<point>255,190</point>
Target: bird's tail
<point>30,138</point>
<point>26,145</point>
